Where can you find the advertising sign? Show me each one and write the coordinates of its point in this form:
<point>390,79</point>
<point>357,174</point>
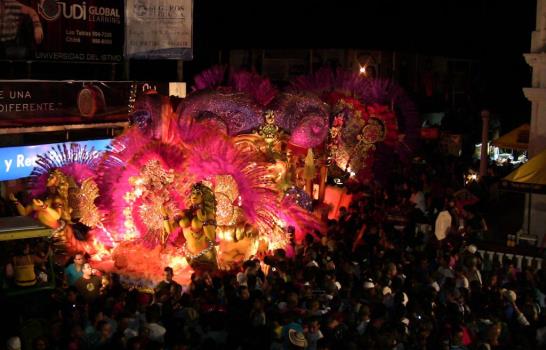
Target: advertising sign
<point>44,103</point>
<point>18,162</point>
<point>62,30</point>
<point>159,29</point>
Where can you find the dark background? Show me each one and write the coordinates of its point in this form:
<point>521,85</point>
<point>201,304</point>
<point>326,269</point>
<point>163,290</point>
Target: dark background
<point>494,33</point>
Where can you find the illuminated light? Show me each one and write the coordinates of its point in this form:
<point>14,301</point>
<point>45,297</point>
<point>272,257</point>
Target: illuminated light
<point>470,178</point>
<point>362,70</point>
<point>128,197</point>
<point>224,233</point>
<point>177,262</point>
<point>29,154</point>
<point>227,237</point>
<point>102,253</point>
<point>108,234</point>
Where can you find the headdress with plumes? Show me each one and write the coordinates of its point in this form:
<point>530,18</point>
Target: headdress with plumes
<point>210,78</point>
<point>203,154</point>
<point>75,161</point>
<point>138,179</point>
<point>209,202</point>
<point>333,85</point>
<point>214,154</point>
<point>366,107</point>
<point>260,88</point>
<point>257,87</point>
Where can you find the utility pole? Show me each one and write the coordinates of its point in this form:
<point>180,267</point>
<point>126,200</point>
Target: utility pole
<point>484,159</point>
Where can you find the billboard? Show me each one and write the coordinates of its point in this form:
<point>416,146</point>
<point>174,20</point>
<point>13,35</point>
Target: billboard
<point>62,30</point>
<point>44,103</point>
<point>18,162</point>
<point>159,29</point>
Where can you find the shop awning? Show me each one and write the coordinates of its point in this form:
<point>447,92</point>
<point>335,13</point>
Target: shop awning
<point>530,177</point>
<point>21,227</point>
<point>516,139</point>
<point>68,127</point>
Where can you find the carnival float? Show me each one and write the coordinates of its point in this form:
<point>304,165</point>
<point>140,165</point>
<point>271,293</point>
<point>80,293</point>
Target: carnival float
<point>235,170</point>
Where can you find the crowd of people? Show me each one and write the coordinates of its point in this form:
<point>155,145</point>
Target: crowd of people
<point>389,273</point>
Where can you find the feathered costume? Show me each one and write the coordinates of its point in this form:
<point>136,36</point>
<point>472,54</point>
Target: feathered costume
<point>372,120</point>
<point>222,135</point>
<point>64,177</point>
<point>149,170</point>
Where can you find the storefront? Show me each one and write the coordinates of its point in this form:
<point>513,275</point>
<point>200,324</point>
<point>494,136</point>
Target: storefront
<point>38,116</point>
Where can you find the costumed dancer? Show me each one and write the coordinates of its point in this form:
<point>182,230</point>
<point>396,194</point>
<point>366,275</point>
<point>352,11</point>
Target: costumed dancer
<point>198,224</point>
<point>64,196</point>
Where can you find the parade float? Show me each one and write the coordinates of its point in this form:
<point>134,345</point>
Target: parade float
<point>235,170</point>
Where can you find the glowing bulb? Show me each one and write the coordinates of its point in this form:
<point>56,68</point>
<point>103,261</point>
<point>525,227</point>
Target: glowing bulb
<point>362,70</point>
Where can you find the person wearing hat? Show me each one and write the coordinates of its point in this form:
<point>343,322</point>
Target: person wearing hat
<point>511,309</point>
<point>290,325</point>
<point>369,294</point>
<point>296,340</point>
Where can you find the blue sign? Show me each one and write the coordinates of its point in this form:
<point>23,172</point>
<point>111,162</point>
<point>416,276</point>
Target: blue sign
<point>18,162</point>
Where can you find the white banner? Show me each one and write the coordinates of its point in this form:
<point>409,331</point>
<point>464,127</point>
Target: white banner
<point>159,29</point>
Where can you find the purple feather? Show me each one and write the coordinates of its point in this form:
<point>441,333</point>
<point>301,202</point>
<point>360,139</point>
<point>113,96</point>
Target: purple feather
<point>210,78</point>
<point>369,91</point>
<point>304,116</point>
<point>261,89</point>
<point>236,111</point>
<point>74,161</point>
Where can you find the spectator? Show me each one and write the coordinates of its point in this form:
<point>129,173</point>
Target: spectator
<point>88,285</point>
<point>168,287</point>
<point>296,340</point>
<point>156,332</point>
<point>74,271</point>
<point>22,268</point>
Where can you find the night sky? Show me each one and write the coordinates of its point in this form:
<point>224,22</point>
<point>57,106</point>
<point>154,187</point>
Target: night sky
<point>494,32</point>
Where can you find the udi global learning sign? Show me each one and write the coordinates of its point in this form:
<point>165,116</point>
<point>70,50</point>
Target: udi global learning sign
<point>18,162</point>
<point>64,30</point>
